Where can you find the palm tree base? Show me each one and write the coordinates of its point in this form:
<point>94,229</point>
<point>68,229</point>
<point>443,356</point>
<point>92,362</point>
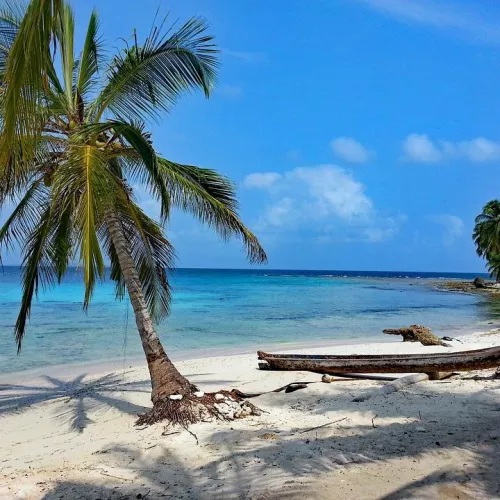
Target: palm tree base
<point>192,408</point>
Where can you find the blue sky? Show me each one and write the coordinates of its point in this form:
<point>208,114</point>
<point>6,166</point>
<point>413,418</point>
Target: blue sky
<point>361,134</point>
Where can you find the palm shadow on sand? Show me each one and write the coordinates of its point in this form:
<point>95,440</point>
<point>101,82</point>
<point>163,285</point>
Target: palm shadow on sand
<point>245,466</point>
<point>77,395</point>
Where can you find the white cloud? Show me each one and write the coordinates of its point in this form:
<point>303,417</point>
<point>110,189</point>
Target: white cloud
<point>261,180</point>
<point>350,150</point>
<point>460,18</point>
<point>333,190</point>
<point>326,200</point>
<point>279,214</point>
<point>419,148</point>
<point>387,228</point>
<point>453,227</point>
<point>480,149</point>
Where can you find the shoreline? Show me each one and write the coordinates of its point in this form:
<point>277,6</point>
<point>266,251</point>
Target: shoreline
<point>107,365</point>
<point>363,345</point>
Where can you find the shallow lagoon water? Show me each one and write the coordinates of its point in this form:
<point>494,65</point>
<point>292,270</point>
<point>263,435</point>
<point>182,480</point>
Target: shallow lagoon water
<point>233,309</point>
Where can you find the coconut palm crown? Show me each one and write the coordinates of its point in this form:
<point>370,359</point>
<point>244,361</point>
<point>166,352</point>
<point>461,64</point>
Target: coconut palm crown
<point>74,143</point>
<point>486,233</point>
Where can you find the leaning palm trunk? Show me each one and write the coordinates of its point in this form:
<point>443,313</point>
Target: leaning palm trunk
<point>165,378</point>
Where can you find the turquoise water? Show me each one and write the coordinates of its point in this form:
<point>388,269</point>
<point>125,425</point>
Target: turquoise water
<point>231,309</point>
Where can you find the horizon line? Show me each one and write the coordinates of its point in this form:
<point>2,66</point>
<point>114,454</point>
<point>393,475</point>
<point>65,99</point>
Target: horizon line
<point>262,269</point>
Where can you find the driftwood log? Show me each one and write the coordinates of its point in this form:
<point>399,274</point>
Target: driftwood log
<point>417,333</point>
<point>402,383</point>
<point>394,386</point>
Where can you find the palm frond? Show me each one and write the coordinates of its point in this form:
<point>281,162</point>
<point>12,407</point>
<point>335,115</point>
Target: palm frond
<point>37,269</point>
<point>65,33</point>
<point>140,159</point>
<point>62,240</point>
<point>11,15</point>
<point>26,76</point>
<point>88,64</point>
<point>486,233</point>
<point>84,181</point>
<point>25,216</point>
<point>115,270</point>
<point>210,197</point>
<point>144,80</point>
<point>494,266</point>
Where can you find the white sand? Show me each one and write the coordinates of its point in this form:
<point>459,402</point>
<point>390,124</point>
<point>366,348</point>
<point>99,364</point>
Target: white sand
<point>72,436</point>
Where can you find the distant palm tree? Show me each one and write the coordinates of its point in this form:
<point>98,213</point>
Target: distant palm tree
<point>486,235</point>
<point>73,146</point>
<point>494,266</point>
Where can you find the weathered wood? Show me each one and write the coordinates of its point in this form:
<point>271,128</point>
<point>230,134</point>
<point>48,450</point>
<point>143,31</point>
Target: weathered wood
<point>394,386</point>
<point>327,378</point>
<point>439,375</point>
<point>292,387</point>
<point>417,333</point>
<point>386,363</point>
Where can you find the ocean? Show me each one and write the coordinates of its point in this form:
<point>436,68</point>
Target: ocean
<point>234,310</point>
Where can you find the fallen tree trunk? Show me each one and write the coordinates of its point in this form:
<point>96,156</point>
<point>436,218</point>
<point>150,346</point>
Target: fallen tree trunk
<point>417,333</point>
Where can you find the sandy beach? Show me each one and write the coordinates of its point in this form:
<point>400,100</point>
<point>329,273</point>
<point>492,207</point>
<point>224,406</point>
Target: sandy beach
<point>72,435</point>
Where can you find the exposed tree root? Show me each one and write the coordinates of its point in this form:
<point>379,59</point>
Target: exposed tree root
<point>417,333</point>
<point>191,409</point>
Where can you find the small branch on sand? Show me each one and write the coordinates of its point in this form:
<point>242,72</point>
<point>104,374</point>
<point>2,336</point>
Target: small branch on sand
<point>165,433</point>
<point>324,425</point>
<point>192,434</point>
<point>292,387</point>
<point>394,386</point>
<point>115,477</point>
<point>373,421</point>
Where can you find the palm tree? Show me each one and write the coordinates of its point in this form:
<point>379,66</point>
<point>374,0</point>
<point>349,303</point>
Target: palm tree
<point>494,266</point>
<point>73,142</point>
<point>486,235</point>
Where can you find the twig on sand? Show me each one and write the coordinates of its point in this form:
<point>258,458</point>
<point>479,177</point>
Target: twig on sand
<point>324,425</point>
<point>192,434</point>
<point>115,477</point>
<point>373,421</point>
<point>165,433</point>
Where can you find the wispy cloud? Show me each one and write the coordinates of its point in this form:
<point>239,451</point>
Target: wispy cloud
<point>229,91</point>
<point>326,200</point>
<point>248,57</point>
<point>452,226</point>
<point>464,19</point>
<point>261,180</point>
<point>350,150</point>
<point>419,148</point>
